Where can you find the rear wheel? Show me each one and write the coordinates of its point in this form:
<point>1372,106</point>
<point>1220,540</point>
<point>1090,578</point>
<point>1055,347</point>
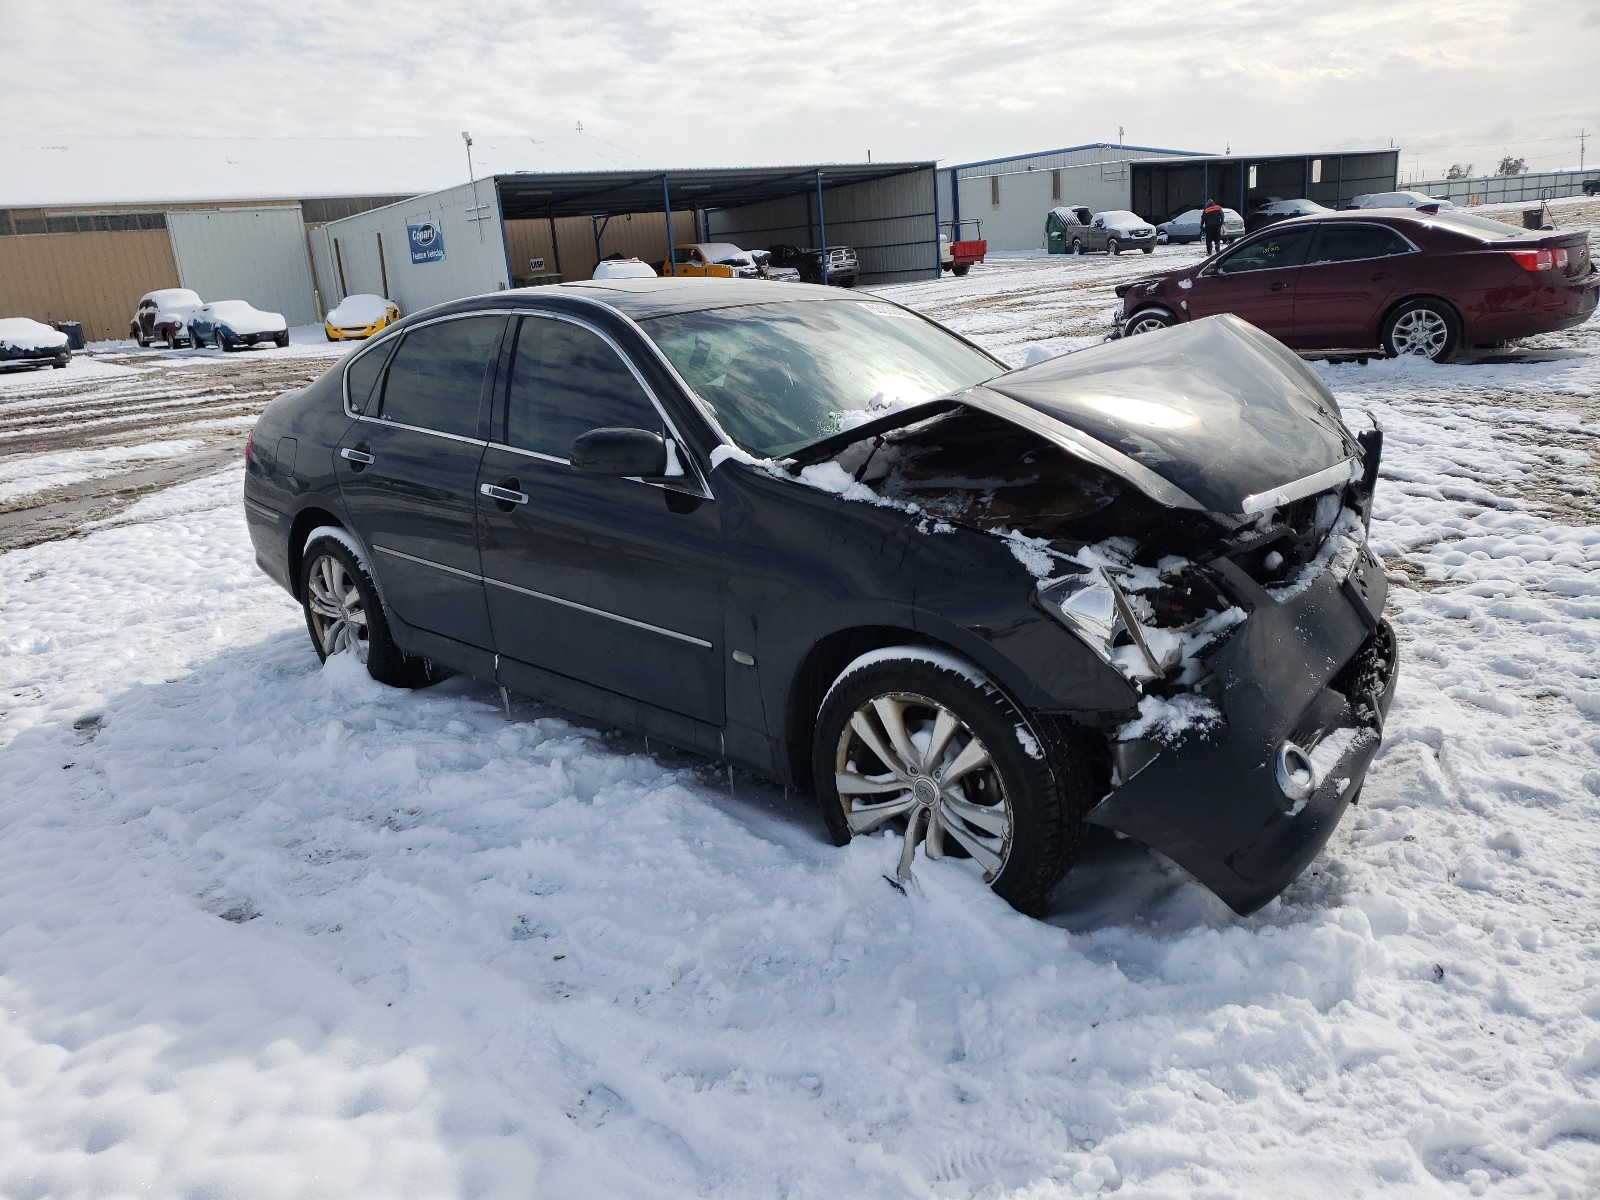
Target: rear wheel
<point>345,615</point>
<point>919,737</point>
<point>281,340</point>
<point>1147,321</point>
<point>1113,246</point>
<point>1077,245</point>
<point>1424,328</point>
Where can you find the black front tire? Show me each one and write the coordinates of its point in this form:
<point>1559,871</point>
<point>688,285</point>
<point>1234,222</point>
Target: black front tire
<point>960,269</point>
<point>1148,249</point>
<point>1041,785</point>
<point>385,661</point>
<point>281,340</point>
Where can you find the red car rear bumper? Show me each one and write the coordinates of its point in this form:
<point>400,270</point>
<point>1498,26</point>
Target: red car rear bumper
<point>1551,305</point>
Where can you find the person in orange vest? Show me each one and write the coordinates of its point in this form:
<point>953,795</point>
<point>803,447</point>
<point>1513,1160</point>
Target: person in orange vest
<point>1211,225</point>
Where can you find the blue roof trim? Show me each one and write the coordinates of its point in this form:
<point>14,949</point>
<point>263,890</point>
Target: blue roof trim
<point>989,162</point>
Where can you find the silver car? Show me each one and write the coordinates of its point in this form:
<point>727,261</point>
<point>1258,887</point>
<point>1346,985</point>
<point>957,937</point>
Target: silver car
<point>1185,227</point>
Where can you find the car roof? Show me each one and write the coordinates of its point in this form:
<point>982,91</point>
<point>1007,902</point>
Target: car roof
<point>642,299</point>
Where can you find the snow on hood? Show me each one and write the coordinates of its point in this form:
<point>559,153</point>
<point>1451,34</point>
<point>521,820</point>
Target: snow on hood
<point>27,334</point>
<point>1202,415</point>
<point>241,317</point>
<point>362,309</point>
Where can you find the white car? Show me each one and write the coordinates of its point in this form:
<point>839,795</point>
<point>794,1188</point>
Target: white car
<point>623,268</point>
<point>1185,227</point>
<point>234,323</point>
<point>1398,200</point>
<point>26,343</point>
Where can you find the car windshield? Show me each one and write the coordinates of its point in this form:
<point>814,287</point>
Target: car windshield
<point>1482,228</point>
<point>1121,216</point>
<point>779,377</point>
<point>229,308</point>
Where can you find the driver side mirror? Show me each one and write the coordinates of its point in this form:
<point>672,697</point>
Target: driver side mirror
<point>620,452</point>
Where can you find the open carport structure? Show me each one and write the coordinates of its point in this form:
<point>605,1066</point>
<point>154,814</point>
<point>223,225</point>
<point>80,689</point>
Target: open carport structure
<point>1162,187</point>
<point>514,230</point>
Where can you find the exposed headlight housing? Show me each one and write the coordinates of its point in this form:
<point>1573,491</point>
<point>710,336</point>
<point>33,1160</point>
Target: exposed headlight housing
<point>1097,611</point>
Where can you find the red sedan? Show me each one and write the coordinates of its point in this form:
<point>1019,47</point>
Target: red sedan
<point>1408,281</point>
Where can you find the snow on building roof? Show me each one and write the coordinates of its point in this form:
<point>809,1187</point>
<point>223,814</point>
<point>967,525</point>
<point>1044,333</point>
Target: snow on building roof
<point>40,171</point>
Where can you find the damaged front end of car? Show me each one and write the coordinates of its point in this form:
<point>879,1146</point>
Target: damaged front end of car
<point>1194,512</point>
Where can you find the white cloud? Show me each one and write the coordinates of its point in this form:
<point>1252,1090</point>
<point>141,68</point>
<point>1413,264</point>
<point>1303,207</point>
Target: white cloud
<point>765,81</point>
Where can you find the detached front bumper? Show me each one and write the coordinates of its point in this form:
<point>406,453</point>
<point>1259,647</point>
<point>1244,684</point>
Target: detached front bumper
<point>1305,685</point>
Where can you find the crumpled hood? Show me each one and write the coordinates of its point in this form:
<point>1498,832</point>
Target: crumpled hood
<point>1204,415</point>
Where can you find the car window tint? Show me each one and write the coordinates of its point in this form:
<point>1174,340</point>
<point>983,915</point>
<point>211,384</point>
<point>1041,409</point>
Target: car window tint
<point>436,378</point>
<point>1286,249</point>
<point>565,381</point>
<point>362,374</point>
<point>1347,243</point>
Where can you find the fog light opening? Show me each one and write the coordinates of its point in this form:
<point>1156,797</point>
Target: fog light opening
<point>1297,778</point>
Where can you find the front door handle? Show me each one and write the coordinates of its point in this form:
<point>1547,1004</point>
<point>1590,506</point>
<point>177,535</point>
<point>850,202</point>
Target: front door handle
<point>505,498</point>
<point>359,457</point>
<point>1278,287</point>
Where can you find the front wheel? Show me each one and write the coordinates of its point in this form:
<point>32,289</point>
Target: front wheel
<point>1148,249</point>
<point>281,340</point>
<point>1147,322</point>
<point>1424,328</point>
<point>919,737</point>
<point>344,614</point>
<point>960,269</point>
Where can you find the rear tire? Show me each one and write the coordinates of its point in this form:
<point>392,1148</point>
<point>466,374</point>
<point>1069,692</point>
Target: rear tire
<point>1113,246</point>
<point>281,340</point>
<point>1425,328</point>
<point>1077,245</point>
<point>1017,814</point>
<point>345,614</point>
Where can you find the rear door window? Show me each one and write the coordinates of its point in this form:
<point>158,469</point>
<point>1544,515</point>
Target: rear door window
<point>437,377</point>
<point>1338,243</point>
<point>361,376</point>
<point>565,381</point>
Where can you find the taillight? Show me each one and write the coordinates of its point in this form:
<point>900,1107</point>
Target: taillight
<point>1535,260</point>
<point>1561,259</point>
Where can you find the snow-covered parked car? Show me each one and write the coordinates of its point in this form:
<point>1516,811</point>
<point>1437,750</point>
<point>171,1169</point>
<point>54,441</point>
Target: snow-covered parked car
<point>163,316</point>
<point>1402,199</point>
<point>26,343</point>
<point>1071,229</point>
<point>823,538</point>
<point>234,323</point>
<point>1184,227</point>
<point>623,268</point>
<point>360,316</point>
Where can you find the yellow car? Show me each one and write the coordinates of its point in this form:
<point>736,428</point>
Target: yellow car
<point>360,317</point>
<point>721,260</point>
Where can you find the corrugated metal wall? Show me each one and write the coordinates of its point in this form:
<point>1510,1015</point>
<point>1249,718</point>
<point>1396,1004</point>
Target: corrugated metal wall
<point>474,252</point>
<point>1505,189</point>
<point>890,223</point>
<point>1017,222</point>
<point>253,254</point>
<point>95,278</point>
<point>639,235</point>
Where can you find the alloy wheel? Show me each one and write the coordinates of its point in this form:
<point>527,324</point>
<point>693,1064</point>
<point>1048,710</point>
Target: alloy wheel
<point>338,613</point>
<point>904,755</point>
<point>1144,325</point>
<point>1422,331</point>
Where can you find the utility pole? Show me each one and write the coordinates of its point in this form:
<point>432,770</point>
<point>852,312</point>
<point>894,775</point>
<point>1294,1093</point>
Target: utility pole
<point>1583,135</point>
<point>475,211</point>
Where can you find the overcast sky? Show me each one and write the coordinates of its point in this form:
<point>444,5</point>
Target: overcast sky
<point>751,82</point>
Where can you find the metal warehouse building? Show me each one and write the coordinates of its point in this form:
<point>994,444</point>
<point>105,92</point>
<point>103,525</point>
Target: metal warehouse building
<point>512,230</point>
<point>1011,196</point>
<point>88,225</point>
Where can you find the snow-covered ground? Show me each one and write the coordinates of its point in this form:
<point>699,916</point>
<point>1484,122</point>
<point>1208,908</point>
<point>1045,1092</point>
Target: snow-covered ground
<point>268,929</point>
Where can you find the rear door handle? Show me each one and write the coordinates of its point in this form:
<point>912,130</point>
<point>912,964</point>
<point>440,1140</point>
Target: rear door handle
<point>359,457</point>
<point>1278,287</point>
<point>503,496</point>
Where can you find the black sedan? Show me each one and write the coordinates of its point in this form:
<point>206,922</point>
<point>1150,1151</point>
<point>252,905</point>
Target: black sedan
<point>825,539</point>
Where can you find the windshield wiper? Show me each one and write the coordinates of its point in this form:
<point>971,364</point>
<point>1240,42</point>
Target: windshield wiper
<point>829,446</point>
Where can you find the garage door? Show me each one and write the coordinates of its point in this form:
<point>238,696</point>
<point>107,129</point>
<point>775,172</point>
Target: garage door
<point>254,254</point>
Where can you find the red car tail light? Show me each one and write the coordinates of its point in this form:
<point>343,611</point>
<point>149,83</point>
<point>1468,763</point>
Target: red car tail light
<point>1561,258</point>
<point>1534,260</point>
<point>248,438</point>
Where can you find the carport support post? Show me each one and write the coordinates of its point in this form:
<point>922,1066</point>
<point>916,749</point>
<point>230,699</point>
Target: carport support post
<point>822,229</point>
<point>555,242</point>
<point>666,205</point>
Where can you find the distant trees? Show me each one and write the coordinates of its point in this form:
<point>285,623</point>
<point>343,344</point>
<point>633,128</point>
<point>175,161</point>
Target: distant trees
<point>1511,166</point>
<point>1459,171</point>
